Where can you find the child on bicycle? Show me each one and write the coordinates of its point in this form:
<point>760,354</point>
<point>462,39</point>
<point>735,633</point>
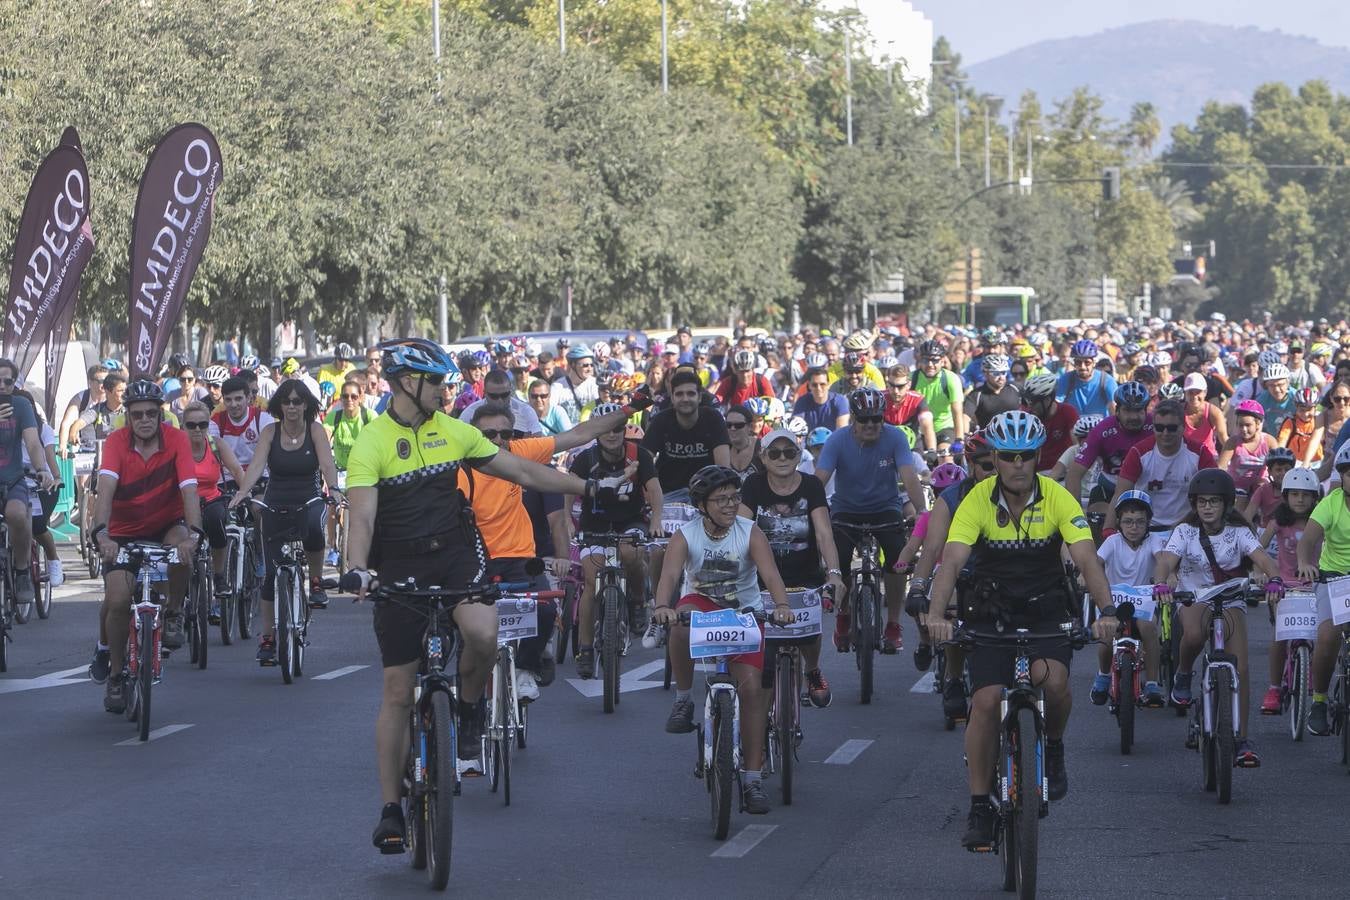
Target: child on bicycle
<point>1127,556</point>
<point>1213,545</point>
<point>721,558</point>
<point>1268,494</point>
<point>1300,492</point>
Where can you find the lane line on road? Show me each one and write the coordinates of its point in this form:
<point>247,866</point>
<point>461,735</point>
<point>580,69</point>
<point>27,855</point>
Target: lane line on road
<point>55,679</point>
<point>155,735</point>
<point>848,751</point>
<point>924,685</point>
<point>745,840</point>
<point>338,673</point>
<point>628,681</point>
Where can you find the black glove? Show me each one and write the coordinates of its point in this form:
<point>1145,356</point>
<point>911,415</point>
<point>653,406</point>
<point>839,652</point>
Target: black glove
<point>916,601</point>
<point>639,400</point>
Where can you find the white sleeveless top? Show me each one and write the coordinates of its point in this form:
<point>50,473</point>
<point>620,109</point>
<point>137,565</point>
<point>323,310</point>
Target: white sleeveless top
<point>722,569</point>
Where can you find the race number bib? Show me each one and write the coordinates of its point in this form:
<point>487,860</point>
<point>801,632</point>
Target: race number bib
<point>722,633</point>
<point>517,618</point>
<point>805,616</point>
<point>674,515</point>
<point>1140,597</point>
<point>1338,592</point>
<point>1296,617</point>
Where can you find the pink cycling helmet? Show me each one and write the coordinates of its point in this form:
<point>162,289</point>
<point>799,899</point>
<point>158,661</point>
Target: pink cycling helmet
<point>946,475</point>
<point>1250,408</point>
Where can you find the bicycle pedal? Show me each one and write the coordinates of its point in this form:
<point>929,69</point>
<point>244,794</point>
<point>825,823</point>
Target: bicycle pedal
<point>983,848</point>
<point>393,848</point>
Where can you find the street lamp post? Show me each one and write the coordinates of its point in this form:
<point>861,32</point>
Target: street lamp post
<point>956,110</point>
<point>442,305</point>
<point>562,29</point>
<point>665,60</point>
<point>848,79</point>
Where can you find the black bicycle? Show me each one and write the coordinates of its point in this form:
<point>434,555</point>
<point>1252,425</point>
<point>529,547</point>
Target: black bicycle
<point>612,636</point>
<point>864,598</point>
<point>431,779</point>
<point>1021,794</point>
<point>197,606</point>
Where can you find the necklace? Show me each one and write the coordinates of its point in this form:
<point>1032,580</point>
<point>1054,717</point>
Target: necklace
<point>289,438</point>
<point>714,535</point>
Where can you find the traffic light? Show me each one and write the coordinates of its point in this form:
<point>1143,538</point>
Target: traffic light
<point>1111,183</point>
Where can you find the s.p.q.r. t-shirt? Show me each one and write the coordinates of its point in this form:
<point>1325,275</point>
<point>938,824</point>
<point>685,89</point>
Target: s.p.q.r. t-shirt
<point>681,452</point>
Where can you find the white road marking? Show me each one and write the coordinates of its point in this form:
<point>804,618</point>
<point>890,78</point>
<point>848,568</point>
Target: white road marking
<point>338,673</point>
<point>848,751</point>
<point>924,685</point>
<point>155,735</point>
<point>55,679</point>
<point>745,840</point>
<point>628,681</point>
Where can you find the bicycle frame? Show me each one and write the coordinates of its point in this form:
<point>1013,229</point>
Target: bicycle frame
<point>1216,655</point>
<point>721,681</point>
<point>149,557</point>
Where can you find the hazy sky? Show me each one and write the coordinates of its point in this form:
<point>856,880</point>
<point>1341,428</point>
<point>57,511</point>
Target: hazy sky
<point>981,29</point>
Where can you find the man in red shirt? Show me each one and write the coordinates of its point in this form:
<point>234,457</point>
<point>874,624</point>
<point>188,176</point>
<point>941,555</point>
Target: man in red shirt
<point>147,491</point>
<point>743,382</point>
<point>1038,398</point>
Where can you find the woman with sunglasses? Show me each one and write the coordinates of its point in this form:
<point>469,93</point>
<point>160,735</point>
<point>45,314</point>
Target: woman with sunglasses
<point>791,510</point>
<point>1214,543</point>
<point>1333,418</point>
<point>294,451</point>
<point>741,422</point>
<point>211,458</point>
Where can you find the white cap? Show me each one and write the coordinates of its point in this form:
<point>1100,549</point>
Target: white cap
<point>671,348</point>
<point>1195,382</point>
<point>774,435</point>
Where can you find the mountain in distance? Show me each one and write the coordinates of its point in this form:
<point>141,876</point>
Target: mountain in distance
<point>1177,65</point>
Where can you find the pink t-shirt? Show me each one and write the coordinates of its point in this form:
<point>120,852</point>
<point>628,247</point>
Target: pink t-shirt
<point>1286,541</point>
<point>1265,499</point>
<point>1247,467</point>
<point>1109,442</point>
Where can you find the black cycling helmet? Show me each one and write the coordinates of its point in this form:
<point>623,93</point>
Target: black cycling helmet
<point>866,401</point>
<point>1213,482</point>
<point>143,390</point>
<point>931,350</point>
<point>710,478</point>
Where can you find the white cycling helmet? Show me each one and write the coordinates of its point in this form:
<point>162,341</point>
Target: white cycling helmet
<point>1085,424</point>
<point>1298,479</point>
<point>1274,372</point>
<point>1342,456</point>
<point>215,375</point>
<point>798,426</point>
<point>1267,358</point>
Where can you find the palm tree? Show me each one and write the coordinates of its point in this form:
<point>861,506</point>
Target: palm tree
<point>1176,197</point>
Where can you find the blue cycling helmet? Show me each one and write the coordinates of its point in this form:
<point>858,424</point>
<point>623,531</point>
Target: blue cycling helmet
<point>1132,395</point>
<point>1083,350</point>
<point>1015,431</point>
<point>759,406</point>
<point>327,389</point>
<point>818,436</point>
<point>480,358</point>
<point>417,356</point>
<point>580,351</point>
<point>1135,497</point>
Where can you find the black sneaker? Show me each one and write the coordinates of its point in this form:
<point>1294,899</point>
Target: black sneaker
<point>267,651</point>
<point>23,586</point>
<point>1245,755</point>
<point>1318,722</point>
<point>470,739</point>
<point>979,834</point>
<point>548,669</point>
<point>318,597</point>
<point>586,662</point>
<point>681,719</point>
<point>114,699</point>
<point>954,699</point>
<point>923,657</point>
<point>754,798</point>
<point>1054,769</point>
<point>391,831</point>
<point>100,666</point>
<point>174,635</point>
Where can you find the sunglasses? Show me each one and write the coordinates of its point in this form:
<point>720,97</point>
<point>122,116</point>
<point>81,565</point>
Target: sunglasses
<point>737,424</point>
<point>502,396</point>
<point>1015,457</point>
<point>1343,468</point>
<point>438,380</point>
<point>1340,399</point>
<point>196,426</point>
<point>784,453</point>
<point>867,420</point>
<point>187,379</point>
<point>139,414</point>
<point>539,396</point>
<point>293,400</point>
<point>1166,429</point>
<point>493,434</point>
<point>6,382</point>
<point>618,429</point>
<point>351,396</point>
<point>897,385</point>
<point>985,463</point>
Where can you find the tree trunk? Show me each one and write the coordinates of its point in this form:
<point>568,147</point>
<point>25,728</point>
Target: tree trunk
<point>208,340</point>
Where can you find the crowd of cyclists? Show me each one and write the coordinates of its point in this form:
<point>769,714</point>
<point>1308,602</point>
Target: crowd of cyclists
<point>1143,453</point>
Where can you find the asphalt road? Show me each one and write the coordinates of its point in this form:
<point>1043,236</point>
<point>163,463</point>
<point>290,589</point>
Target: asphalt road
<point>268,788</point>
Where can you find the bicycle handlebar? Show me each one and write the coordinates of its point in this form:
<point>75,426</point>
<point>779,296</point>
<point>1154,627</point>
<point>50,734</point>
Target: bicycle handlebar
<point>684,615</point>
<point>1072,634</point>
<point>401,591</point>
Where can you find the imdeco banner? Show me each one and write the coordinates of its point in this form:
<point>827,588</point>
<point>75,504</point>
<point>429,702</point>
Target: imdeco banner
<point>169,230</point>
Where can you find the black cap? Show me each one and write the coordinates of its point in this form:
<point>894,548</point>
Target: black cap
<point>684,329</point>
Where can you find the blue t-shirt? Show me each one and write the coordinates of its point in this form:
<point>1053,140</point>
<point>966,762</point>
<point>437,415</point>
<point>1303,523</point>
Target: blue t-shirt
<point>867,479</point>
<point>973,373</point>
<point>1341,437</point>
<point>11,440</point>
<point>821,415</point>
<point>1089,397</point>
<point>1276,412</point>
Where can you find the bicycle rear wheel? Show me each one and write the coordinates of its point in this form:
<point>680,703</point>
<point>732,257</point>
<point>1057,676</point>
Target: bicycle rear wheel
<point>147,670</point>
<point>1027,764</point>
<point>300,618</point>
<point>610,599</point>
<point>1298,692</point>
<point>248,593</point>
<point>440,783</point>
<point>201,583</point>
<point>414,800</point>
<point>722,776</point>
<point>785,702</point>
<point>1225,751</point>
<point>6,626</point>
<point>864,636</point>
<point>1125,676</point>
<point>281,637</point>
<point>566,617</point>
<point>44,595</point>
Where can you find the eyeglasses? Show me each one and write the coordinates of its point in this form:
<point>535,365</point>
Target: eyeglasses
<point>1015,457</point>
<point>351,396</point>
<point>494,434</point>
<point>187,379</point>
<point>737,424</point>
<point>784,453</point>
<point>1166,429</point>
<point>503,396</point>
<point>728,500</point>
<point>1134,522</point>
<point>293,400</point>
<point>196,426</point>
<point>1208,501</point>
<point>1340,398</point>
<point>867,420</point>
<point>534,396</point>
<point>139,414</point>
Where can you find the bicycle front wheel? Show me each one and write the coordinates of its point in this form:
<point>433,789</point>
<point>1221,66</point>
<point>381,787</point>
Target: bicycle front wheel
<point>1026,766</point>
<point>611,599</point>
<point>227,600</point>
<point>147,670</point>
<point>785,702</point>
<point>300,623</point>
<point>864,636</point>
<point>566,615</point>
<point>1125,701</point>
<point>6,618</point>
<point>438,801</point>
<point>44,595</point>
<point>248,593</point>
<point>414,799</point>
<point>1225,750</point>
<point>202,589</point>
<point>281,637</point>
<point>722,776</point>
<point>1298,692</point>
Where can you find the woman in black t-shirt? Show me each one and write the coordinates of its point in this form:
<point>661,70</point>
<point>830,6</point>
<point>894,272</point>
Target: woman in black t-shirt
<point>792,512</point>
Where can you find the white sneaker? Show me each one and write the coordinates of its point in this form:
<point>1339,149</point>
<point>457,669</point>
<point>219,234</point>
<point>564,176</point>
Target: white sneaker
<point>468,767</point>
<point>527,689</point>
<point>55,575</point>
<point>651,638</point>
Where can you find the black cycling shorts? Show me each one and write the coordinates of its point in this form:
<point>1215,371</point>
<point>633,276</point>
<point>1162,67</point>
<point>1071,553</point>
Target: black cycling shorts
<point>994,665</point>
<point>399,629</point>
<point>132,568</point>
<point>891,541</point>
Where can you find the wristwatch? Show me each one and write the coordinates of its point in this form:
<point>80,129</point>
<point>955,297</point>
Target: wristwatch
<point>834,572</point>
<point>1107,610</point>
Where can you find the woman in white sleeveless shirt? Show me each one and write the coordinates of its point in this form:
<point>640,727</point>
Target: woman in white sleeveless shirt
<point>720,558</point>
